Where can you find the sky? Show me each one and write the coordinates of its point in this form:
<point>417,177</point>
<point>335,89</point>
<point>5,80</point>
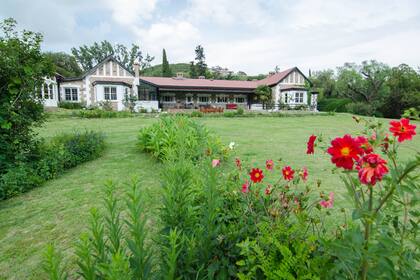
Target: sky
<point>247,35</point>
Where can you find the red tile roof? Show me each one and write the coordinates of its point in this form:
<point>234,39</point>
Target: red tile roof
<point>215,84</point>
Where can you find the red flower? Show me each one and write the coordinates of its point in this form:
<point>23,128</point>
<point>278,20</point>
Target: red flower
<point>256,175</point>
<point>371,169</point>
<point>304,173</point>
<point>238,163</point>
<point>344,151</point>
<point>385,144</point>
<point>268,189</point>
<point>310,144</point>
<point>215,162</point>
<point>402,129</point>
<point>288,173</point>
<point>328,203</point>
<point>269,164</point>
<point>364,144</point>
<point>245,187</point>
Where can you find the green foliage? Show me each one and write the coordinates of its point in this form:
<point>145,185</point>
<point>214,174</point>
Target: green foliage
<point>196,114</point>
<point>200,63</point>
<point>166,70</point>
<point>263,94</point>
<point>324,82</point>
<point>52,159</point>
<point>22,70</point>
<point>115,245</point>
<point>130,102</point>
<point>192,70</point>
<point>156,70</point>
<point>359,108</point>
<point>89,56</point>
<point>71,105</point>
<point>64,64</point>
<point>99,113</point>
<point>164,138</point>
<point>52,264</point>
<point>412,113</point>
<point>240,111</point>
<point>333,104</point>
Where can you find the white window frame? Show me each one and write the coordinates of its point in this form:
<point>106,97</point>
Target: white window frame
<point>298,97</point>
<point>225,97</point>
<point>240,96</point>
<point>112,96</point>
<point>72,99</point>
<point>173,100</point>
<point>206,96</point>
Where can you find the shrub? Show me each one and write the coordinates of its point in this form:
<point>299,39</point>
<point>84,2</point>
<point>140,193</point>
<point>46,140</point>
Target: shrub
<point>333,104</point>
<point>165,138</point>
<point>240,111</point>
<point>229,114</point>
<point>99,113</point>
<point>359,108</point>
<point>412,113</point>
<point>18,179</point>
<point>106,105</point>
<point>196,114</point>
<point>301,107</point>
<point>71,105</point>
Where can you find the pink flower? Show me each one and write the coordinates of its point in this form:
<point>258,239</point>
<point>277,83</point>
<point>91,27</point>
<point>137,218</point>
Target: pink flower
<point>245,187</point>
<point>215,162</point>
<point>269,164</point>
<point>304,173</point>
<point>328,203</point>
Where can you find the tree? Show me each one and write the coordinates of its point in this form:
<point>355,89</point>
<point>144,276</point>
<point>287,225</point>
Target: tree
<point>404,86</point>
<point>263,93</point>
<point>89,56</point>
<point>200,63</point>
<point>324,82</point>
<point>22,71</point>
<point>166,70</point>
<point>365,83</point>
<point>193,72</point>
<point>64,64</point>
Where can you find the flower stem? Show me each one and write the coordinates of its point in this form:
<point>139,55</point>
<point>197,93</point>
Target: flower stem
<point>368,223</point>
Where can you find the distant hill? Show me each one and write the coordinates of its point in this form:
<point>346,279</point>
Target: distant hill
<point>156,70</point>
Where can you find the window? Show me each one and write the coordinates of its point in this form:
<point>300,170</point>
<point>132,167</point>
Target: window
<point>71,94</point>
<point>51,91</point>
<point>189,99</point>
<point>286,98</point>
<point>46,96</point>
<point>143,94</point>
<point>298,97</point>
<point>168,98</point>
<point>203,99</point>
<point>239,99</point>
<point>110,93</point>
<point>222,99</point>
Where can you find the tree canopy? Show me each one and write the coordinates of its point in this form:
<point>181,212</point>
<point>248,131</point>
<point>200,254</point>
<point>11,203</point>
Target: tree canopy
<point>263,93</point>
<point>64,64</point>
<point>166,70</point>
<point>89,56</point>
<point>200,61</point>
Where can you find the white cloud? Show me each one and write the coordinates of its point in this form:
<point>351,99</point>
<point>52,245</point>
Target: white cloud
<point>128,12</point>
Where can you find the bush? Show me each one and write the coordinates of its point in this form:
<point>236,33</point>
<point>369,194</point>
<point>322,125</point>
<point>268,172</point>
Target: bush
<point>240,111</point>
<point>359,108</point>
<point>106,105</point>
<point>71,105</point>
<point>411,113</point>
<point>99,113</point>
<point>167,137</point>
<point>229,114</point>
<point>197,114</point>
<point>52,159</point>
<point>333,104</point>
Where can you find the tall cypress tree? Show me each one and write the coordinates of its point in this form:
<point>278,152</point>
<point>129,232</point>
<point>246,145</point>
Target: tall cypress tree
<point>193,72</point>
<point>166,70</point>
<point>200,58</point>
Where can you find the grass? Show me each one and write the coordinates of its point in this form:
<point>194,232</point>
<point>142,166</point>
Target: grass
<point>58,211</point>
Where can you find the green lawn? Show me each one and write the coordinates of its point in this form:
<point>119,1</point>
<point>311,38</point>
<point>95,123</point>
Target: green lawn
<point>58,211</point>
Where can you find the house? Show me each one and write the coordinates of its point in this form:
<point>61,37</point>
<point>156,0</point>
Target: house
<point>288,89</point>
<point>110,81</point>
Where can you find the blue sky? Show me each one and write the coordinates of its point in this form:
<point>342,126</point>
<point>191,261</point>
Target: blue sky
<point>248,35</point>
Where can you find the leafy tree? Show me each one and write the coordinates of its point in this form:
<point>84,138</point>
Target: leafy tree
<point>200,64</point>
<point>22,70</point>
<point>263,93</point>
<point>166,70</point>
<point>193,72</point>
<point>64,64</point>
<point>324,82</point>
<point>404,85</point>
<point>89,56</point>
<point>364,83</point>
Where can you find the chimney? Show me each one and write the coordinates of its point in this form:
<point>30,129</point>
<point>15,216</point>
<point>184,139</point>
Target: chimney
<point>201,77</point>
<point>136,67</point>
